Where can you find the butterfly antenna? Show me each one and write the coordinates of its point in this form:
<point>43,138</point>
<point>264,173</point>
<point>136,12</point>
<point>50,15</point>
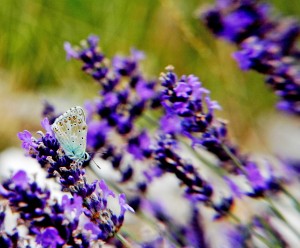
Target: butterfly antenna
<point>89,154</point>
<point>96,164</point>
<point>101,153</point>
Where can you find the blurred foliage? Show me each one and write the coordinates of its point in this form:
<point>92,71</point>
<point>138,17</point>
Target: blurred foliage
<point>32,55</point>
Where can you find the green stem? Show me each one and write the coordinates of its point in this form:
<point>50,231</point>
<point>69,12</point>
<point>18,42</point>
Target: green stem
<point>275,241</point>
<point>218,170</point>
<point>154,225</point>
<point>261,238</point>
<point>150,119</point>
<point>293,199</point>
<point>234,217</point>
<point>235,160</point>
<point>277,212</point>
<point>124,241</point>
<point>252,230</point>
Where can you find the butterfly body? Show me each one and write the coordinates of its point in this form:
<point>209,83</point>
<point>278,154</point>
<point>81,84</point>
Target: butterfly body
<point>70,130</point>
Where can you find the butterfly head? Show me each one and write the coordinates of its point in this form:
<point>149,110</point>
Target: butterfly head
<point>77,155</point>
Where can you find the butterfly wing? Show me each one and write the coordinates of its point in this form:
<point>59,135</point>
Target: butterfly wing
<point>71,130</point>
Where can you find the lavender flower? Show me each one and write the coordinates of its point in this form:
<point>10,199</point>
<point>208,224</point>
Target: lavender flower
<point>139,145</point>
<point>6,239</point>
<point>49,238</point>
<point>124,97</point>
<point>266,44</point>
<point>238,236</point>
<point>49,222</point>
<point>72,178</point>
<point>236,20</point>
<point>195,231</point>
<point>189,102</point>
<point>57,224</point>
<point>142,156</point>
<point>185,98</point>
<point>169,161</point>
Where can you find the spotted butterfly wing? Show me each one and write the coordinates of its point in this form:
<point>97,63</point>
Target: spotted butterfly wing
<point>71,130</point>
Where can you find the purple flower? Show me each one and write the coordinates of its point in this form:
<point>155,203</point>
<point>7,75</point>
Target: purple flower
<point>234,187</point>
<point>193,107</point>
<point>25,196</point>
<point>84,218</point>
<point>124,125</point>
<point>266,45</point>
<point>257,54</point>
<point>127,66</point>
<point>91,57</point>
<point>26,138</point>
<point>157,242</point>
<point>254,176</point>
<point>139,145</point>
<point>238,22</point>
<point>123,205</point>
<point>98,131</point>
<point>49,238</point>
<point>88,198</point>
<point>223,207</point>
<point>72,205</point>
<point>235,21</point>
<point>127,174</point>
<point>243,60</point>
<point>237,236</point>
<point>93,40</point>
<point>195,232</point>
<point>145,90</point>
<point>94,229</point>
<point>90,109</point>
<point>33,203</point>
<point>212,105</point>
<point>137,55</point>
<point>170,124</point>
<point>151,173</point>
<point>20,179</point>
<point>46,125</point>
<point>182,90</point>
<point>106,192</point>
<point>71,53</point>
<point>110,100</point>
<point>182,109</point>
<point>169,160</point>
<point>49,113</point>
<point>4,192</point>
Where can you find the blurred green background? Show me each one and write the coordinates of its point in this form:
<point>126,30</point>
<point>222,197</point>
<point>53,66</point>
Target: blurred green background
<point>33,65</point>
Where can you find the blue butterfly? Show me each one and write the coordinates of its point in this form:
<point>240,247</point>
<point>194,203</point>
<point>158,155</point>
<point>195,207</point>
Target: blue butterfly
<point>70,130</point>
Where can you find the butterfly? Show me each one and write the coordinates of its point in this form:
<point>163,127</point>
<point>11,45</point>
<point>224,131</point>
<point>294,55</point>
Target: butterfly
<point>70,130</point>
